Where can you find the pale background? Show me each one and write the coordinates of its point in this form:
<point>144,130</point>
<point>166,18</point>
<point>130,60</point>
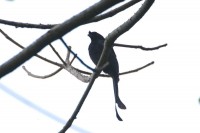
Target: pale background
<point>163,98</point>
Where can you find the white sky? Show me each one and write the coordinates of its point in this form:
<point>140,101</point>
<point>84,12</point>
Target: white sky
<point>161,98</point>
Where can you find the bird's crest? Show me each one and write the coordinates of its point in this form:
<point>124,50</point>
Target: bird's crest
<point>95,36</point>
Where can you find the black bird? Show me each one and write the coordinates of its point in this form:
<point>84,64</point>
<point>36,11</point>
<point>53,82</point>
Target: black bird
<point>95,50</point>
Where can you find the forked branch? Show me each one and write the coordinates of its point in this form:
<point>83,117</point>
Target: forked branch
<point>70,62</point>
<point>107,47</point>
<point>94,19</point>
<point>54,34</point>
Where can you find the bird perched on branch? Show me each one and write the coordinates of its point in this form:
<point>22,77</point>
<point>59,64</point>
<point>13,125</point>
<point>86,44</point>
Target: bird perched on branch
<point>95,49</point>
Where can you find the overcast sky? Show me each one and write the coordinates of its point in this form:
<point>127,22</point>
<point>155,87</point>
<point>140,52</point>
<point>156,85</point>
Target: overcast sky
<point>163,97</point>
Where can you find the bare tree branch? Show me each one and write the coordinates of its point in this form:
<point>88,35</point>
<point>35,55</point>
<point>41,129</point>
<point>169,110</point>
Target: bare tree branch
<point>77,74</point>
<point>94,19</point>
<point>76,55</point>
<point>87,16</point>
<point>109,41</point>
<point>44,59</point>
<point>27,25</point>
<point>73,59</point>
<point>69,68</point>
<point>121,73</point>
<point>73,117</point>
<point>67,61</point>
<point>138,69</point>
<point>113,12</point>
<point>53,73</point>
<point>22,47</point>
<point>55,33</point>
<point>58,55</point>
<point>41,77</point>
<point>139,47</point>
<point>107,47</point>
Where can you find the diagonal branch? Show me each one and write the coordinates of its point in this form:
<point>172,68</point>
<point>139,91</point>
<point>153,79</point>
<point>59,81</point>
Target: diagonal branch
<point>22,47</point>
<point>73,117</point>
<point>53,34</point>
<point>67,61</point>
<point>94,19</point>
<point>69,68</point>
<point>107,47</point>
<point>109,41</point>
<point>113,12</point>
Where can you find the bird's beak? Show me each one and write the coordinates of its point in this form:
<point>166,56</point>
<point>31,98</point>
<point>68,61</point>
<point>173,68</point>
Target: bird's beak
<point>89,33</point>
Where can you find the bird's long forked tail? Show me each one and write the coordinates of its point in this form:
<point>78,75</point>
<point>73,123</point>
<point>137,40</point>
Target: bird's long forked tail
<point>117,114</point>
<point>117,99</point>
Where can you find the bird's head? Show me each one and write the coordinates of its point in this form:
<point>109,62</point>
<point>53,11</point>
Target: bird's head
<point>95,36</point>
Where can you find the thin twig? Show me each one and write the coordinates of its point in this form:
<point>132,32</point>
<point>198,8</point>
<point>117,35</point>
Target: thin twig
<point>139,47</point>
<point>53,73</point>
<point>121,73</point>
<point>107,46</point>
<point>27,25</point>
<point>68,54</point>
<point>113,12</point>
<point>70,69</point>
<point>110,39</point>
<point>58,55</point>
<point>41,77</point>
<point>76,55</point>
<point>49,26</point>
<point>10,39</point>
<point>138,69</point>
<point>73,59</point>
<point>22,47</point>
<point>54,34</point>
